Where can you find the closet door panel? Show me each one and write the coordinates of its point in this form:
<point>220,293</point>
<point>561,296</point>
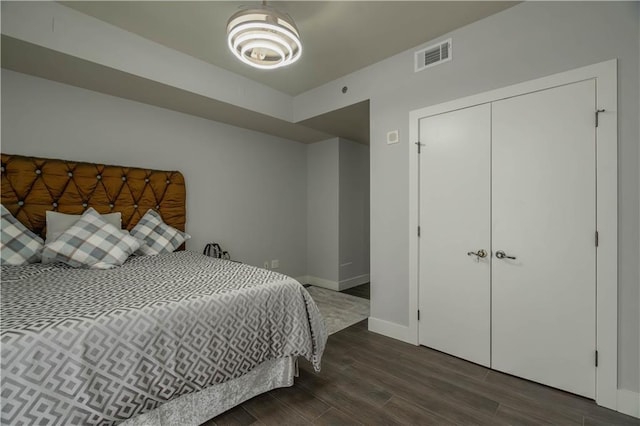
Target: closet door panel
<point>543,214</point>
<point>455,220</point>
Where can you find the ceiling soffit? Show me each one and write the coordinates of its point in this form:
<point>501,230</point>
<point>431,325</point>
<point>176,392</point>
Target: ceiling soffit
<point>28,58</point>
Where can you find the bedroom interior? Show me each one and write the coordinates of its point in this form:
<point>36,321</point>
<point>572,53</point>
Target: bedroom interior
<point>138,119</point>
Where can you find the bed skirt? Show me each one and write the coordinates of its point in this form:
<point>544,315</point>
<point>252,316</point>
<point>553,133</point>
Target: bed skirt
<point>196,408</point>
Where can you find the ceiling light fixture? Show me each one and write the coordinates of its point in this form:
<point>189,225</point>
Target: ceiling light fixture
<point>264,38</point>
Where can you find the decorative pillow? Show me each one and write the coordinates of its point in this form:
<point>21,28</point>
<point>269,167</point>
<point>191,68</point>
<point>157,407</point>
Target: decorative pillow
<point>158,237</point>
<point>57,223</point>
<point>19,245</point>
<point>92,243</point>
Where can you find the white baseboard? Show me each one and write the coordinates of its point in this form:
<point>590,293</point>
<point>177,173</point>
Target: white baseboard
<point>353,282</point>
<point>629,402</point>
<point>319,282</point>
<point>390,329</point>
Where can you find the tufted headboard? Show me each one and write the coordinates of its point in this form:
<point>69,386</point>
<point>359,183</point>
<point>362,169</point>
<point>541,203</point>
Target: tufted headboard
<point>31,186</point>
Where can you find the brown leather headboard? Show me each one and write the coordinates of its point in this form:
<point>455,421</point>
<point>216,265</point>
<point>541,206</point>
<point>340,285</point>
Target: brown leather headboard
<point>31,186</point>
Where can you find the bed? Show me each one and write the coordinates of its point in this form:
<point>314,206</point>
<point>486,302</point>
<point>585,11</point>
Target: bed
<point>176,338</point>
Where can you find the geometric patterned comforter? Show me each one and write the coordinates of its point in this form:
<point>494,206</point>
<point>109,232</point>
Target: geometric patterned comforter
<point>100,346</point>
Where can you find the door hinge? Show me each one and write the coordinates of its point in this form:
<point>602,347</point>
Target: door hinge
<point>597,239</point>
<point>418,314</point>
<point>596,358</point>
<point>419,145</point>
<point>598,111</point>
<point>418,231</point>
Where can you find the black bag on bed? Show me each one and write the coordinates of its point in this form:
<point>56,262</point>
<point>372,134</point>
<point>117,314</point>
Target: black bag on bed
<point>214,250</point>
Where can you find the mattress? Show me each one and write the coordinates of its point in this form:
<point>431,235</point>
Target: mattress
<point>100,346</point>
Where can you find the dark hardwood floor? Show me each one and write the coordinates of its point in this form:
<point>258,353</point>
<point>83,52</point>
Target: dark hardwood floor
<point>363,291</point>
<point>370,379</point>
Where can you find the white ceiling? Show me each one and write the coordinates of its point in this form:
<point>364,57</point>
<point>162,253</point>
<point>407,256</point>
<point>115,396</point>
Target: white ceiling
<point>339,37</point>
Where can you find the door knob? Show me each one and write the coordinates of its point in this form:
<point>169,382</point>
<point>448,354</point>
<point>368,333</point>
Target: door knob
<point>479,253</point>
<point>502,255</point>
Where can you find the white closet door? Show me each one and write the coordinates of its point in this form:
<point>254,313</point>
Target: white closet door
<point>454,219</point>
<point>543,202</point>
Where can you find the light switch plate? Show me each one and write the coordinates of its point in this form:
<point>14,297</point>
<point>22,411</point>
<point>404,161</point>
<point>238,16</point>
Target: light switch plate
<point>393,137</point>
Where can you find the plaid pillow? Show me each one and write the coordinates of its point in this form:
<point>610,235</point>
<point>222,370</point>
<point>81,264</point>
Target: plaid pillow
<point>158,237</point>
<point>19,246</point>
<point>92,243</point>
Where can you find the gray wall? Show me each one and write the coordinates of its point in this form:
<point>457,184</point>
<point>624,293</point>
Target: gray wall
<point>337,211</point>
<point>245,190</point>
<point>354,209</point>
<point>525,42</point>
<point>323,209</point>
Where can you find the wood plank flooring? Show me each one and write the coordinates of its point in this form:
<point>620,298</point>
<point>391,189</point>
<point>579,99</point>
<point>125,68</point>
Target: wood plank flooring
<point>369,379</point>
<point>363,291</point>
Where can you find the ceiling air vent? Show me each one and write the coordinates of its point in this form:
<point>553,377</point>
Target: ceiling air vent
<point>433,55</point>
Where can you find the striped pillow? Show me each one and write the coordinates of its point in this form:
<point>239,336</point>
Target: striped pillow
<point>158,237</point>
<point>92,243</point>
<point>19,246</point>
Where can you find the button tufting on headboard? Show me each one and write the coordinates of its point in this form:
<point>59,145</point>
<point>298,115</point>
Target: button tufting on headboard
<point>71,187</point>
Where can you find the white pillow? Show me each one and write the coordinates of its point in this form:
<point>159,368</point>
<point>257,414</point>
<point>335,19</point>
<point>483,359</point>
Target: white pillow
<point>158,237</point>
<point>57,223</point>
<point>18,245</point>
<point>92,242</point>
